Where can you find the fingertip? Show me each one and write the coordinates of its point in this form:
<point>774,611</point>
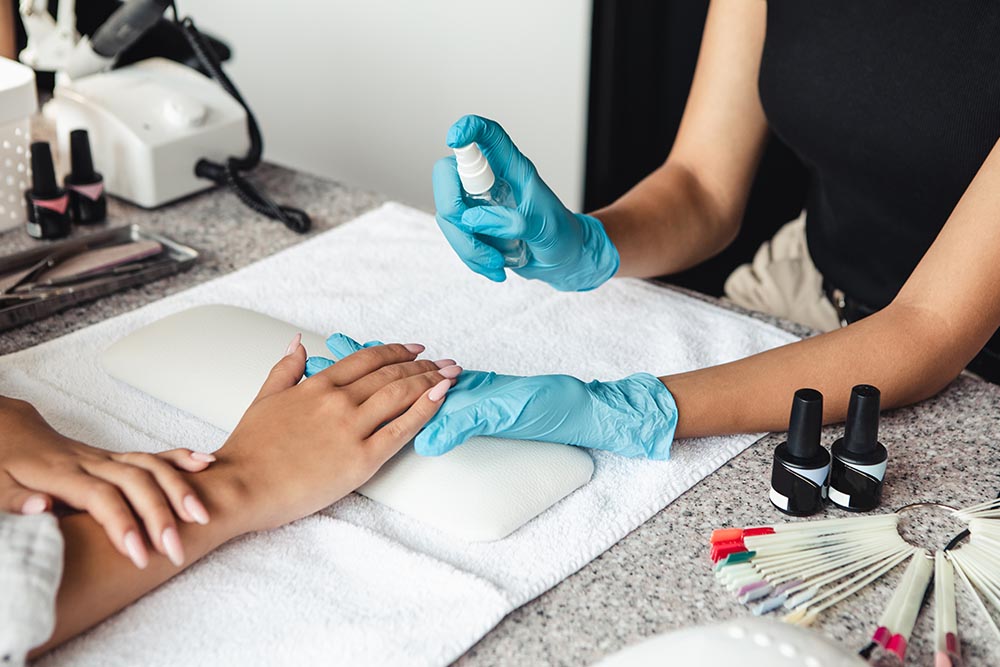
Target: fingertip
<point>135,549</point>
<point>36,503</point>
<point>294,345</point>
<point>464,130</point>
<point>202,457</point>
<point>196,509</point>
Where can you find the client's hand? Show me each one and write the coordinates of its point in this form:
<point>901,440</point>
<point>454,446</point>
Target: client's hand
<point>634,416</point>
<point>302,446</point>
<point>39,465</point>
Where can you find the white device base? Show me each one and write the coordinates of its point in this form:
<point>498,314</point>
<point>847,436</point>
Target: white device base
<point>211,360</point>
<point>149,124</point>
<point>748,642</point>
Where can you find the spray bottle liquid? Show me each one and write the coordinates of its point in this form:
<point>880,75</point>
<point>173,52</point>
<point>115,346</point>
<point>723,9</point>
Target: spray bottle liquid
<point>483,188</point>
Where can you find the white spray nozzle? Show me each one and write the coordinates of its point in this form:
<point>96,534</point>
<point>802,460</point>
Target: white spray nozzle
<point>473,169</point>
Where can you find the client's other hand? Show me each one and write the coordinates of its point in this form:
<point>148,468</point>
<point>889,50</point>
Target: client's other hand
<point>634,416</point>
<point>38,465</point>
<point>302,446</point>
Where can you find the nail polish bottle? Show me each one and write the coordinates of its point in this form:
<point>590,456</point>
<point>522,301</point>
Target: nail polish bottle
<point>859,459</point>
<point>47,203</point>
<point>87,203</point>
<point>801,464</point>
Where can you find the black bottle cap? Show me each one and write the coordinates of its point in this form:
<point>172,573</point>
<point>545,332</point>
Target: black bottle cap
<point>43,174</point>
<point>861,431</point>
<point>82,162</point>
<point>805,424</point>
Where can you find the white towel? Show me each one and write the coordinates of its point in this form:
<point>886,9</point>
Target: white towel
<point>357,583</point>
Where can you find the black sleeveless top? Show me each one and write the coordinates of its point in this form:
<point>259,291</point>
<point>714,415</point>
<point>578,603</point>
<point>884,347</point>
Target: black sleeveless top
<point>893,105</point>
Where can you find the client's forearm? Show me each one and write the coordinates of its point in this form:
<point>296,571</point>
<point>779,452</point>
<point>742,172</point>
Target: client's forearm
<point>899,350</point>
<point>98,581</point>
<point>667,223</point>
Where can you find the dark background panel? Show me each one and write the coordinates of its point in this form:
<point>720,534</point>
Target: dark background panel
<point>642,62</point>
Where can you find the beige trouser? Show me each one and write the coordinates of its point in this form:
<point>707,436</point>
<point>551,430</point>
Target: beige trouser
<point>783,281</point>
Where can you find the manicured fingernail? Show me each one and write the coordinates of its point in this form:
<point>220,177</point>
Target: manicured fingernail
<point>451,372</point>
<point>202,457</point>
<point>172,545</point>
<point>438,391</point>
<point>136,549</point>
<point>415,348</point>
<point>294,345</point>
<point>34,505</point>
<point>196,509</point>
<point>444,363</point>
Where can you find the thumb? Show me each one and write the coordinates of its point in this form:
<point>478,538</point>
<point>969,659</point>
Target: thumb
<point>287,372</point>
<point>445,432</point>
<point>16,499</point>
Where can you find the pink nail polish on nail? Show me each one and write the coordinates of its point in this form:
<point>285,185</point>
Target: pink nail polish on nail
<point>415,348</point>
<point>438,391</point>
<point>444,363</point>
<point>294,345</point>
<point>201,457</point>
<point>136,549</point>
<point>451,372</point>
<point>196,509</point>
<point>172,545</point>
<point>34,505</point>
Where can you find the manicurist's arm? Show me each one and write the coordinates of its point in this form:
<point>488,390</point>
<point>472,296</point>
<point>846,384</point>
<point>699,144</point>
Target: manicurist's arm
<point>8,33</point>
<point>941,318</point>
<point>690,208</point>
<point>684,212</point>
<point>298,448</point>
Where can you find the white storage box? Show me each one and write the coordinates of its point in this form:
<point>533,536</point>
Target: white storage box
<point>18,102</point>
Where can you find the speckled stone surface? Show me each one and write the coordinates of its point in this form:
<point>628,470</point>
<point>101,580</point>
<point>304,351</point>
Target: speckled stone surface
<point>659,577</point>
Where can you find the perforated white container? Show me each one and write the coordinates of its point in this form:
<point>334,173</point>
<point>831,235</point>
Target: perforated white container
<point>18,102</point>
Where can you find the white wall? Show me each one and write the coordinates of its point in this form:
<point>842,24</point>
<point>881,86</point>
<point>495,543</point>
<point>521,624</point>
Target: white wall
<point>363,92</point>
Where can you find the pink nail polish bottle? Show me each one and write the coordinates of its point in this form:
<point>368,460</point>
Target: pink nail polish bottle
<point>87,204</point>
<point>47,203</point>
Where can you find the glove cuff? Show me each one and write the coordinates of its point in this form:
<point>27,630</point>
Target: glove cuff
<point>653,411</point>
<point>598,254</point>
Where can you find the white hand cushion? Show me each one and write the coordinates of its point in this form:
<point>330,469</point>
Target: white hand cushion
<point>211,360</point>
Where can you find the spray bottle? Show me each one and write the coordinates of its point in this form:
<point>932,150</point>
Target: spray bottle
<point>483,188</point>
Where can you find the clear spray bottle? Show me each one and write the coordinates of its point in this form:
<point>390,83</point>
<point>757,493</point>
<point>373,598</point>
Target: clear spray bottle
<point>483,188</point>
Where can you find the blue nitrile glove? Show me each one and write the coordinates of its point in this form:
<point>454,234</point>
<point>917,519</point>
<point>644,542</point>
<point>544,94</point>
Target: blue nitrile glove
<point>634,416</point>
<point>570,251</point>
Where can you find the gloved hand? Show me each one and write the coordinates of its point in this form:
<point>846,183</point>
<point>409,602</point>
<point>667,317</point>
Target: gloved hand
<point>570,251</point>
<point>635,416</point>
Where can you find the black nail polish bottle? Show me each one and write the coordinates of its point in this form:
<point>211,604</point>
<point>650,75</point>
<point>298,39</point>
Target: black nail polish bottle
<point>801,464</point>
<point>87,204</point>
<point>47,203</point>
<point>859,459</point>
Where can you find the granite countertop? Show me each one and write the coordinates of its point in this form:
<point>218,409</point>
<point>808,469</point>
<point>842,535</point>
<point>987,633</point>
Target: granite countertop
<point>658,577</point>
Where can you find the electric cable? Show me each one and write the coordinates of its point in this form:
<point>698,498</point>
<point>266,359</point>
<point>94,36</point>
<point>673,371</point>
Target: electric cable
<point>230,173</point>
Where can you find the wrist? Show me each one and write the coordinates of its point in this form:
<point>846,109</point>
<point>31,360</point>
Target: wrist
<point>597,253</point>
<point>230,501</point>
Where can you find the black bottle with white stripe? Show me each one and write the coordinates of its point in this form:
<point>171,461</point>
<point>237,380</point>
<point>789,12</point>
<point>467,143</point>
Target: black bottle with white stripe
<point>859,459</point>
<point>801,464</point>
